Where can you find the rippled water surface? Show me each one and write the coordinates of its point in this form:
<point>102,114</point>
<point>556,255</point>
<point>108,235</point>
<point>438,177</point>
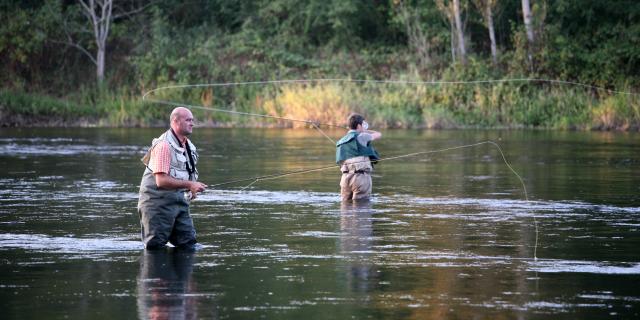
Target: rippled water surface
<point>446,235</point>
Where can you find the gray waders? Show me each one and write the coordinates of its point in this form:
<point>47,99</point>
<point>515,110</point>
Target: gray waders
<point>164,215</point>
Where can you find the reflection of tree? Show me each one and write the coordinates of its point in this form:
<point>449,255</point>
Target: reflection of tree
<point>164,285</point>
<point>356,240</point>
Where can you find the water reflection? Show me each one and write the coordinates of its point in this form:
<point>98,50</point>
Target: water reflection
<point>356,243</point>
<point>165,285</point>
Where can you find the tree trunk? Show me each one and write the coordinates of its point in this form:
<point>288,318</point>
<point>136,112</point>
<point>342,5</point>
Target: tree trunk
<point>100,64</point>
<point>492,34</point>
<point>99,13</point>
<point>528,25</point>
<point>453,43</point>
<point>100,17</point>
<point>459,33</point>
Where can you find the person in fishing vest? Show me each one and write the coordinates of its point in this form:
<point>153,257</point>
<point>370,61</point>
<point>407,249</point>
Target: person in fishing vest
<point>169,183</point>
<point>354,154</point>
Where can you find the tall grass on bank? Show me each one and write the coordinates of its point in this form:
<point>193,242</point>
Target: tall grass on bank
<point>326,103</point>
<point>507,105</point>
<point>619,112</point>
<point>28,109</point>
<point>458,106</point>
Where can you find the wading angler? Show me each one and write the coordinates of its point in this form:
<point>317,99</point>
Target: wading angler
<point>354,154</point>
<point>169,183</point>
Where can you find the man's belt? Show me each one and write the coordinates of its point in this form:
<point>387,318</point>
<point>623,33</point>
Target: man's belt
<point>357,171</point>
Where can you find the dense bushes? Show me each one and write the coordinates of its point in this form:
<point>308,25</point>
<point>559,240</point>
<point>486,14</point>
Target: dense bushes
<point>174,43</point>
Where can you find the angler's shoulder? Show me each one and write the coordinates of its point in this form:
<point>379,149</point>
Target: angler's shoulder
<point>372,135</point>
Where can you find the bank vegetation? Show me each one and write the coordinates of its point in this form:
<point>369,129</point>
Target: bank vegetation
<point>89,62</point>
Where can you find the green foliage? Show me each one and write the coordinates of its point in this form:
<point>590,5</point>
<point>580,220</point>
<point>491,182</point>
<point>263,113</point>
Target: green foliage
<point>23,41</point>
<point>12,103</point>
<point>172,43</point>
<point>593,41</point>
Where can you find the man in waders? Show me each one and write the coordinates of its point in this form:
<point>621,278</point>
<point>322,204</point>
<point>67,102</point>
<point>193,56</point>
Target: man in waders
<point>168,184</point>
<point>354,153</point>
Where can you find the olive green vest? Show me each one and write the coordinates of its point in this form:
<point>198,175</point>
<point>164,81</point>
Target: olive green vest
<point>349,147</point>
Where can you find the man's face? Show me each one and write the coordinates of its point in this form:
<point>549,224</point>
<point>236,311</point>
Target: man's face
<point>362,127</point>
<point>185,123</point>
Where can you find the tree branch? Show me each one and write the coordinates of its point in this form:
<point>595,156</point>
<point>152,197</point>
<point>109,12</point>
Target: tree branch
<point>71,43</point>
<point>135,11</point>
<point>85,6</point>
<point>77,46</point>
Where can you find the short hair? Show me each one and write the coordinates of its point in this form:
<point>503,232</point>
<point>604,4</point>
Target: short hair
<point>354,120</point>
<point>176,114</point>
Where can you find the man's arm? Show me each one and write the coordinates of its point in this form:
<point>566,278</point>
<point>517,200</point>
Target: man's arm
<point>165,181</point>
<point>160,161</point>
<point>375,135</point>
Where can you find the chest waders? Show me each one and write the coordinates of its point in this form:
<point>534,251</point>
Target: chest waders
<point>164,213</point>
<point>355,164</point>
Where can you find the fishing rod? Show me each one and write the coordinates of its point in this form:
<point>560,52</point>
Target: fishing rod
<point>302,171</point>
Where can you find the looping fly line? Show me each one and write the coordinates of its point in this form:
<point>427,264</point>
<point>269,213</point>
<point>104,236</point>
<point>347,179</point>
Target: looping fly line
<point>399,82</point>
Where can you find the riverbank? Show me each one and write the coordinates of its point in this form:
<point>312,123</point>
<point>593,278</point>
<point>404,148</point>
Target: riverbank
<point>438,77</point>
<point>386,106</point>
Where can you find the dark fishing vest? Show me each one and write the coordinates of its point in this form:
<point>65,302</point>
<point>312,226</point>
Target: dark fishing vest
<point>182,168</point>
<point>349,147</point>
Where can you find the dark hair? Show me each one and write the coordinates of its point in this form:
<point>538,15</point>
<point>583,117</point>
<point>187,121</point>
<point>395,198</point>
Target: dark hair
<point>354,120</point>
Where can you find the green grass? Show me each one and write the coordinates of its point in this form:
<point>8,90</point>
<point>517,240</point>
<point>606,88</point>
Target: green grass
<point>27,104</point>
<point>391,105</point>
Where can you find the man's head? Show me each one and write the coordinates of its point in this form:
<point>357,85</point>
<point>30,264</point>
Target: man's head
<point>182,121</point>
<point>354,120</point>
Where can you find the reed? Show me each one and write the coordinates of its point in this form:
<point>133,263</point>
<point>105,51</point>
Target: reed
<point>501,105</point>
<point>618,112</point>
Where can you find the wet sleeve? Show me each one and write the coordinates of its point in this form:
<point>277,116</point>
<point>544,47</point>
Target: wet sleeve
<point>161,158</point>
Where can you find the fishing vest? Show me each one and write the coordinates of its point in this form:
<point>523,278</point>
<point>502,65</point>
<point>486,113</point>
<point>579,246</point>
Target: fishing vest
<point>348,147</point>
<point>179,160</point>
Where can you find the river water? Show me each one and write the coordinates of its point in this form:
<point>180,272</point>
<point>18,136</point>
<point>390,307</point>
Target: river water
<point>447,235</point>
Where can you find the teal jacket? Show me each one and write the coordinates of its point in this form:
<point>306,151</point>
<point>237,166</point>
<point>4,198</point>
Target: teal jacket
<point>348,147</point>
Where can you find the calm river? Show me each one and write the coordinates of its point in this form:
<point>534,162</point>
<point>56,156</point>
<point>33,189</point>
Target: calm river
<point>448,235</point>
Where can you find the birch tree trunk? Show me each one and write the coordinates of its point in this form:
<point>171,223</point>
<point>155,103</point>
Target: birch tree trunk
<point>100,64</point>
<point>492,34</point>
<point>486,7</point>
<point>446,7</point>
<point>528,25</point>
<point>460,34</point>
<point>453,43</point>
<point>99,14</point>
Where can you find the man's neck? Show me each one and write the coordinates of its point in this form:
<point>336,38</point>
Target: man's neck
<point>181,139</point>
